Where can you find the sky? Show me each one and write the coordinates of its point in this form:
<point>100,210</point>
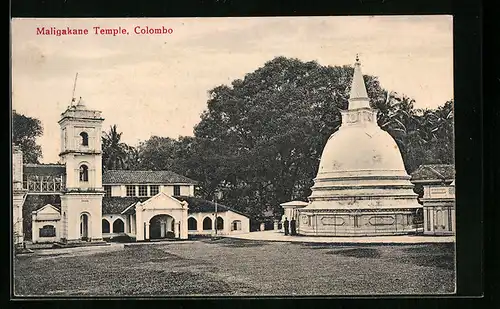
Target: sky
<point>158,84</point>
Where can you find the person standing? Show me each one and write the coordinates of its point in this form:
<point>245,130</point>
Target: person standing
<point>293,227</point>
<point>285,226</point>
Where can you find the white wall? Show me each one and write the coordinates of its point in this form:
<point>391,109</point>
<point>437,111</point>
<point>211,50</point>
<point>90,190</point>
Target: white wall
<point>94,164</point>
<point>35,230</point>
<point>73,206</point>
<point>117,190</point>
<point>111,219</point>
<point>161,204</point>
<point>47,215</point>
<point>227,216</point>
<point>169,189</point>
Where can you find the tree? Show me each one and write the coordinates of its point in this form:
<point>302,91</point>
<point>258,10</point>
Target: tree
<point>114,152</point>
<point>132,158</point>
<point>25,131</point>
<point>157,153</point>
<point>437,129</point>
<point>423,136</point>
<point>260,140</point>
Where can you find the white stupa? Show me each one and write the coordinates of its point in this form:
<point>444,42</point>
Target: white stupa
<point>362,187</point>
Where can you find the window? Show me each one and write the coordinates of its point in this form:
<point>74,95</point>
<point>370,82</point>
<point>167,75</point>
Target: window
<point>143,190</point>
<point>154,190</point>
<point>177,190</point>
<point>85,138</point>
<point>47,231</point>
<point>192,224</point>
<point>130,190</point>
<point>439,219</point>
<point>220,223</point>
<point>105,226</point>
<point>207,223</point>
<point>118,226</point>
<point>428,219</point>
<point>84,173</point>
<point>107,191</point>
<point>236,225</point>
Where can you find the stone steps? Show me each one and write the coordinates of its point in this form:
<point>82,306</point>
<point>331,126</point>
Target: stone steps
<point>79,244</point>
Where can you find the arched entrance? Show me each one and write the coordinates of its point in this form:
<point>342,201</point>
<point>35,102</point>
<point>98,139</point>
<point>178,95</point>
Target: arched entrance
<point>161,226</point>
<point>192,224</point>
<point>105,226</point>
<point>207,224</point>
<point>118,226</point>
<point>84,227</point>
<point>220,223</point>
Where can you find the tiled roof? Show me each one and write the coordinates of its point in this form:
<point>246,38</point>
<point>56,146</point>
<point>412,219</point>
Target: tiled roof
<point>145,177</point>
<point>44,169</point>
<point>35,202</point>
<point>434,171</point>
<point>115,205</point>
<point>196,204</point>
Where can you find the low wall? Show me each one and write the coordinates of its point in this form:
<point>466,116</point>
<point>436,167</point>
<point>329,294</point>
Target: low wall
<point>357,224</point>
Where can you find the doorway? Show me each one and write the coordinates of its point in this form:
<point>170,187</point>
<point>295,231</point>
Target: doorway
<point>161,226</point>
<point>84,227</point>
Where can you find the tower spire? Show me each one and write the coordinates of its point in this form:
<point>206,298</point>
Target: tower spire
<point>358,97</point>
<point>74,88</point>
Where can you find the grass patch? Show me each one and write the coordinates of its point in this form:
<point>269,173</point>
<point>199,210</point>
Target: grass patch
<point>236,243</point>
<point>358,253</point>
<point>238,267</point>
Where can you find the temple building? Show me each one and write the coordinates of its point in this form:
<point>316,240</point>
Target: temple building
<point>362,187</point>
<point>18,195</point>
<point>438,197</point>
<point>75,201</point>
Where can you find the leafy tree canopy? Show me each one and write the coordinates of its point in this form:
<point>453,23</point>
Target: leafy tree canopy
<point>25,131</point>
<point>261,138</point>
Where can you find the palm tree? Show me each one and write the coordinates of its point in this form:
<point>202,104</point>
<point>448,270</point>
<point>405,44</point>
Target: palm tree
<point>397,116</point>
<point>437,128</point>
<point>114,152</point>
<point>133,157</point>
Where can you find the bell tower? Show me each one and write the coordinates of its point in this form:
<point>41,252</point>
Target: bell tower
<point>81,201</point>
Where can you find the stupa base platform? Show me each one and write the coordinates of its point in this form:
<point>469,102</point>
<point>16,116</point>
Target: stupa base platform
<point>358,233</point>
<point>358,223</point>
<point>344,241</point>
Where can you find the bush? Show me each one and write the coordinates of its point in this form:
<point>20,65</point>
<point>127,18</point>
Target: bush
<point>122,239</point>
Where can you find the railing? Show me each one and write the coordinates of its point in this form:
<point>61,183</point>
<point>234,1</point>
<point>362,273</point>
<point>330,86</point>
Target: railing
<point>47,184</point>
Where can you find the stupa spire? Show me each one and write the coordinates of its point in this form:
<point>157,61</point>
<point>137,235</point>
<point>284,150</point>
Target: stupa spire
<point>358,98</point>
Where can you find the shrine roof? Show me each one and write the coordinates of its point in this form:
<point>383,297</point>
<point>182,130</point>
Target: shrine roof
<point>35,202</point>
<point>430,172</point>
<point>196,204</point>
<point>144,177</point>
<point>44,169</point>
<point>116,205</point>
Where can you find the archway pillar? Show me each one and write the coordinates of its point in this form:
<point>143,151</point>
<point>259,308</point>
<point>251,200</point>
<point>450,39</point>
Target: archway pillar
<point>163,229</point>
<point>177,229</point>
<point>183,226</point>
<point>147,231</point>
<point>139,224</point>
